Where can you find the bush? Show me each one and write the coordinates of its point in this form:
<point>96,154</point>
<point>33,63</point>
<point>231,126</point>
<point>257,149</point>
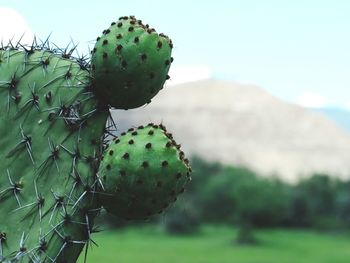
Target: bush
<point>238,195</point>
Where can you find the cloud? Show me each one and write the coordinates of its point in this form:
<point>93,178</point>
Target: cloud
<point>14,27</point>
<point>347,105</point>
<point>188,73</point>
<point>312,99</point>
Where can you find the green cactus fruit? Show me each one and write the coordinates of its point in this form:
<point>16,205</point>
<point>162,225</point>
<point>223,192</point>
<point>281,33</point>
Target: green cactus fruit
<point>130,63</point>
<point>143,171</point>
<point>51,131</point>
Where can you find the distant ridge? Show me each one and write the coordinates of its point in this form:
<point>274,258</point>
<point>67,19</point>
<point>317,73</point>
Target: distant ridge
<point>244,125</point>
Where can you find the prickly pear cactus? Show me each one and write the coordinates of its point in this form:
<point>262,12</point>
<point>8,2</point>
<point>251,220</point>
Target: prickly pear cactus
<point>53,131</point>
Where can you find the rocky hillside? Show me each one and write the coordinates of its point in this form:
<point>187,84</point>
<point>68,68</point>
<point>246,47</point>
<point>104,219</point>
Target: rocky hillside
<point>244,125</point>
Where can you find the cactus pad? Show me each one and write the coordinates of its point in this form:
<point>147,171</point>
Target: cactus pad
<point>51,132</point>
<point>130,63</point>
<point>144,171</point>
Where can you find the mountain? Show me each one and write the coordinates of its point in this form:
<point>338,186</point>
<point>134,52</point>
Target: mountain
<point>340,116</point>
<point>244,125</point>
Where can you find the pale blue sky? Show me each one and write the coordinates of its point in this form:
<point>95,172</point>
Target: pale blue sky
<point>288,47</point>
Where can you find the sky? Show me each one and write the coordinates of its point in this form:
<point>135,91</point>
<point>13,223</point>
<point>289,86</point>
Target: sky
<point>298,50</point>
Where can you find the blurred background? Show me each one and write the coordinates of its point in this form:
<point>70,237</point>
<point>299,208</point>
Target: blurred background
<point>259,98</point>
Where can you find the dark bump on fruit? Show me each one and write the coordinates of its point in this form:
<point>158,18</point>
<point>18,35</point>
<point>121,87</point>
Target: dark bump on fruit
<point>140,127</point>
<point>182,154</point>
<point>168,144</point>
<point>165,163</point>
<point>119,36</point>
<point>130,129</point>
<point>171,59</point>
<point>105,42</point>
<point>107,31</point>
<point>148,145</point>
<point>120,24</point>
<point>167,77</point>
<point>159,44</point>
<point>143,56</point>
<point>136,39</point>
<point>126,156</point>
<point>108,167</point>
<point>113,23</point>
<point>145,164</point>
<point>131,141</point>
<point>104,55</point>
<point>124,64</point>
<point>119,47</point>
<point>134,133</point>
<point>178,175</point>
<point>151,132</point>
<point>167,62</point>
<point>111,152</point>
<point>98,38</point>
<point>116,141</point>
<point>123,133</point>
<point>130,29</point>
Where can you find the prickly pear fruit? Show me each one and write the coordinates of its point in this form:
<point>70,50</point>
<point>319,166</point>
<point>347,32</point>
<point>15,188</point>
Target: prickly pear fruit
<point>130,63</point>
<point>143,171</point>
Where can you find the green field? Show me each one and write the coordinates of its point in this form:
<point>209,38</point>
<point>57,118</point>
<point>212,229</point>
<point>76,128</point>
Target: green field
<point>214,244</point>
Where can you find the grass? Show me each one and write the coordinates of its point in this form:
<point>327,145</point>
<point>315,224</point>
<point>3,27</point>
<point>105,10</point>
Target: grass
<point>214,244</point>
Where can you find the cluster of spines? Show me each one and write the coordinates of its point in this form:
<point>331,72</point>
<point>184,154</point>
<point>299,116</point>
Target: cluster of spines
<point>69,52</point>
